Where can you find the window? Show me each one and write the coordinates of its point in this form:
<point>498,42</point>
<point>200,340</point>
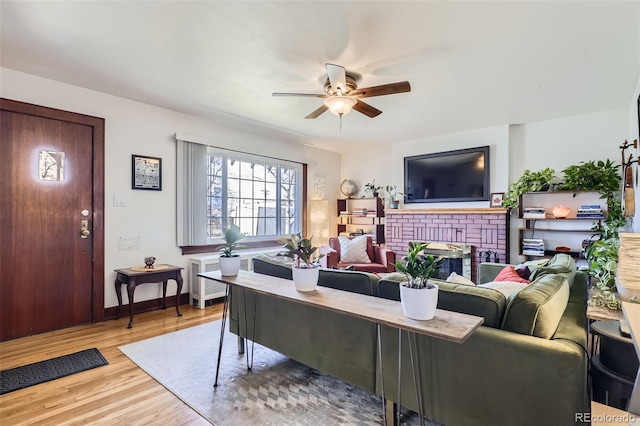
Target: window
<point>263,196</point>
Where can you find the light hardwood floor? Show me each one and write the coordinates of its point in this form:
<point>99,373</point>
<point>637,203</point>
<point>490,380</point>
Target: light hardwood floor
<point>117,394</point>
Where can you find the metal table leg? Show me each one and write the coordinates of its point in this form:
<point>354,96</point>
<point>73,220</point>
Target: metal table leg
<point>415,368</point>
<point>225,309</point>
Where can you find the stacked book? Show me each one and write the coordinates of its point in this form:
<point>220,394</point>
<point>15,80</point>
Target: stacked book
<point>532,247</point>
<point>593,211</point>
<point>359,212</point>
<point>534,213</point>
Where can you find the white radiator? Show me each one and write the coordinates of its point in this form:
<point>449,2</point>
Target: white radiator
<point>203,289</point>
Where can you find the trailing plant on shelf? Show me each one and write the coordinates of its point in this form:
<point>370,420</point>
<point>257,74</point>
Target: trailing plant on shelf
<point>231,236</point>
<point>603,177</point>
<point>528,182</point>
<point>373,188</point>
<point>301,250</point>
<point>418,267</point>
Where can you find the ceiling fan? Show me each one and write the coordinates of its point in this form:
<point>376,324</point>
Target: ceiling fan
<point>342,93</point>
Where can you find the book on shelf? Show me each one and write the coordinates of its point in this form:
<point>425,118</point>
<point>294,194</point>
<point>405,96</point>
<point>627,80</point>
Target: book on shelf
<point>590,211</point>
<point>533,246</point>
<point>534,213</point>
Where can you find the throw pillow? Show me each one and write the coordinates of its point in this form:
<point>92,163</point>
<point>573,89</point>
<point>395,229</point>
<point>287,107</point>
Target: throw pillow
<point>523,271</point>
<point>354,250</point>
<point>510,274</point>
<point>508,288</point>
<point>459,279</point>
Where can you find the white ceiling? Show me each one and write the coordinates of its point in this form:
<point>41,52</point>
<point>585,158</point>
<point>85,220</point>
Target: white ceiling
<point>470,64</point>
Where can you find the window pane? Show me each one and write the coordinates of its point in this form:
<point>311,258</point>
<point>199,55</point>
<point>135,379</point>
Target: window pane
<point>261,197</point>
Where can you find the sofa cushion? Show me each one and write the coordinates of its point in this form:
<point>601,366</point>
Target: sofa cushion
<point>352,281</point>
<point>354,250</point>
<point>561,263</point>
<point>459,279</point>
<point>509,274</point>
<point>537,308</point>
<point>276,266</point>
<point>467,299</point>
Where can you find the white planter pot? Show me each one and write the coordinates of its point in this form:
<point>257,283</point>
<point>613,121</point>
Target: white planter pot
<point>419,303</point>
<point>305,279</point>
<point>230,266</point>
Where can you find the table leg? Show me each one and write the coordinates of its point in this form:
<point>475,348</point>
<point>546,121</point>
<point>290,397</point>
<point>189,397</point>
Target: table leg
<point>178,292</point>
<point>384,402</point>
<point>415,368</point>
<point>225,308</point>
<point>119,295</point>
<point>131,288</point>
<point>164,294</point>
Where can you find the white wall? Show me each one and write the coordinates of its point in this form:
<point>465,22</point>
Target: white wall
<point>136,128</point>
<point>386,164</point>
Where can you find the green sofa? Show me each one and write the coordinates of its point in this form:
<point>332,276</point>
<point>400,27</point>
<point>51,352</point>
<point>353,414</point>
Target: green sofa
<point>527,364</point>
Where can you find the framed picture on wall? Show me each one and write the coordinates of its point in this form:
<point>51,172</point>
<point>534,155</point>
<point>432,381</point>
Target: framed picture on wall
<point>496,199</point>
<point>146,172</point>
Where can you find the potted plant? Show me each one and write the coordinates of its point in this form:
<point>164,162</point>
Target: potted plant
<point>373,188</point>
<point>305,268</point>
<point>528,182</point>
<point>418,296</point>
<point>229,259</point>
<point>392,196</point>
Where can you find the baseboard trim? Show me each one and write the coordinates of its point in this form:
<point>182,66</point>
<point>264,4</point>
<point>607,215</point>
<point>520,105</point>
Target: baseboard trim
<point>145,306</point>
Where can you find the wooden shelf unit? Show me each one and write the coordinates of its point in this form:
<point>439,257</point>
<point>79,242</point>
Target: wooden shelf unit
<point>372,223</point>
<point>575,229</point>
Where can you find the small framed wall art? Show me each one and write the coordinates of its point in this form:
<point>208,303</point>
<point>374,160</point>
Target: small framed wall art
<point>496,199</point>
<point>146,172</point>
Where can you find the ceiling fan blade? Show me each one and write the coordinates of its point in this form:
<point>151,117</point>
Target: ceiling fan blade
<point>308,95</point>
<point>316,113</point>
<point>337,77</point>
<point>385,89</point>
<point>367,109</point>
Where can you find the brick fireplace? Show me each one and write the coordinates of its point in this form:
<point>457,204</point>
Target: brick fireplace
<point>486,230</point>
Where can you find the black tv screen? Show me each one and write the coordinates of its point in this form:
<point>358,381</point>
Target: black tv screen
<point>451,176</point>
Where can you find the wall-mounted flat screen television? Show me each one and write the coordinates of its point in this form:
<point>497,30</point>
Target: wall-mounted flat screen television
<point>451,176</point>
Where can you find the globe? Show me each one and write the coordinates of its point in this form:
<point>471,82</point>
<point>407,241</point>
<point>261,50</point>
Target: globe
<point>348,188</point>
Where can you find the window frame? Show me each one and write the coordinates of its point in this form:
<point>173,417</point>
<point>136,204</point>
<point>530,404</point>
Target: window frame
<point>264,240</point>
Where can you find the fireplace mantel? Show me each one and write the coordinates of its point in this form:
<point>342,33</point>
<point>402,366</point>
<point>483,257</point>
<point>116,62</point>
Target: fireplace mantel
<point>446,211</point>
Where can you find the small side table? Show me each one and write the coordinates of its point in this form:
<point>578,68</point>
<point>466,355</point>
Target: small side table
<point>132,278</point>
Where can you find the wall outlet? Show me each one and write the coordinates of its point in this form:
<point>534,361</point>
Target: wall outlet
<point>118,200</point>
<point>128,243</point>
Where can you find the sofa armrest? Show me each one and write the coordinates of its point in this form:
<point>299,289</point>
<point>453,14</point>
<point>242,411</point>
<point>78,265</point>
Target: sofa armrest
<point>384,257</point>
<point>331,260</point>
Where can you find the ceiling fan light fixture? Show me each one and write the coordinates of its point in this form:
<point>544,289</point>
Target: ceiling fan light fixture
<point>340,105</point>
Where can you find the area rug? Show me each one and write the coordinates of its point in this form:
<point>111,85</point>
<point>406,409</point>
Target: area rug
<point>44,371</point>
<point>278,391</point>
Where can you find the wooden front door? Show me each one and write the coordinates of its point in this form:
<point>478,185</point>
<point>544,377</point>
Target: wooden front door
<point>51,248</point>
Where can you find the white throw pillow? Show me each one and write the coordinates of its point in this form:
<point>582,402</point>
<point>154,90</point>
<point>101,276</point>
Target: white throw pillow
<point>354,251</point>
<point>508,288</point>
<point>459,279</point>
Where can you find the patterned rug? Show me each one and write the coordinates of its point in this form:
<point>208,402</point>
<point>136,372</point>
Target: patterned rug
<point>278,391</point>
<point>51,369</point>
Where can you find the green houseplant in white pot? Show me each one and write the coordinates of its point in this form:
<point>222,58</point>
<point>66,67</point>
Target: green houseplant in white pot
<point>229,259</point>
<point>305,268</point>
<point>393,196</point>
<point>418,296</point>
